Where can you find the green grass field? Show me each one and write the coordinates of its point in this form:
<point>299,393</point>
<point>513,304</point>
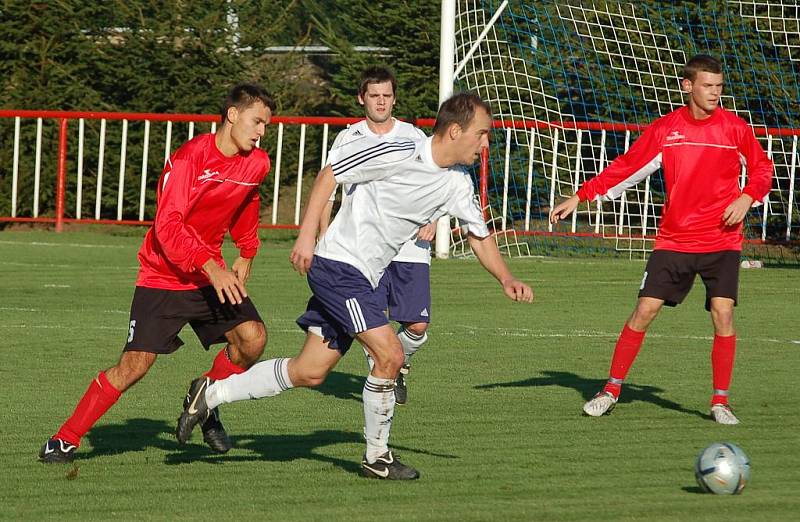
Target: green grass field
<point>493,421</point>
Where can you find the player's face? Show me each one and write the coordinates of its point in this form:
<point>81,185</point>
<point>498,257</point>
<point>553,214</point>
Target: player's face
<point>704,92</point>
<point>378,101</point>
<point>249,125</point>
<point>475,137</point>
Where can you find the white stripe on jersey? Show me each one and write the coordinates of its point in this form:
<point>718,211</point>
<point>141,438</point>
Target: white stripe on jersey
<point>362,156</point>
<point>698,144</point>
<point>617,190</point>
<point>356,316</point>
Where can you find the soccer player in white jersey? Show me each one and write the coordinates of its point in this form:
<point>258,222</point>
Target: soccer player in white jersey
<point>400,185</point>
<point>407,278</point>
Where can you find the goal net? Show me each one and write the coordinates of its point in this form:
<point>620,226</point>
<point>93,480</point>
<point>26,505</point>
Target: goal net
<point>575,81</point>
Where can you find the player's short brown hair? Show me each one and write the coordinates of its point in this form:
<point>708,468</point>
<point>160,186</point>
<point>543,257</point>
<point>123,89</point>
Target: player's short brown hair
<point>377,74</point>
<point>459,108</point>
<point>701,63</point>
<point>243,96</point>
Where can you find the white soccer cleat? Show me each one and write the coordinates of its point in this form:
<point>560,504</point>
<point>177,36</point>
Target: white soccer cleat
<point>723,414</point>
<point>601,404</point>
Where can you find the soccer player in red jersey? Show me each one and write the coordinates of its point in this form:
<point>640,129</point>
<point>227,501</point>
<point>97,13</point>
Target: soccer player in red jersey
<point>701,148</point>
<point>208,187</point>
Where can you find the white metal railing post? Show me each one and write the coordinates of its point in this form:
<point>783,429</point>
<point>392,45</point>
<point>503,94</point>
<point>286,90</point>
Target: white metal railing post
<point>324,146</point>
<point>766,198</point>
<point>506,175</point>
<point>167,142</point>
<point>275,190</point>
<point>553,175</point>
<point>300,159</point>
<point>577,172</point>
<point>122,152</point>
<point>447,54</point>
<point>15,168</point>
<point>100,155</point>
<point>790,202</point>
<point>38,167</point>
<point>143,185</point>
<point>529,181</point>
<point>79,189</point>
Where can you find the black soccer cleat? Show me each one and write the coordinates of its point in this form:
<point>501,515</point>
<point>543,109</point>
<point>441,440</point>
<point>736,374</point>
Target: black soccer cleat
<point>214,433</point>
<point>386,467</point>
<point>195,409</point>
<point>57,451</point>
<point>400,388</point>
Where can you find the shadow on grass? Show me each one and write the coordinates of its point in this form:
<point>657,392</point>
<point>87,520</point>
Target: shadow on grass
<point>137,435</point>
<point>588,387</point>
<point>132,435</point>
<point>343,386</point>
<point>286,448</point>
<point>694,489</point>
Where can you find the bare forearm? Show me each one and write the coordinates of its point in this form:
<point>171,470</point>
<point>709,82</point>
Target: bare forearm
<point>489,256</point>
<point>320,194</point>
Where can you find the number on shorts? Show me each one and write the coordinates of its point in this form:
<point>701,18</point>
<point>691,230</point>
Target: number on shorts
<point>130,330</point>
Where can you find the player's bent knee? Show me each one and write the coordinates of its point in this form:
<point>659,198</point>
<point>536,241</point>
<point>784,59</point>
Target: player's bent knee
<point>417,328</point>
<point>249,339</point>
<point>389,362</point>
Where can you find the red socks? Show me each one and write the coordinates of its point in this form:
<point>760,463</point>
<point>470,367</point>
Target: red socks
<point>99,397</point>
<point>625,352</point>
<point>722,355</point>
<point>223,367</point>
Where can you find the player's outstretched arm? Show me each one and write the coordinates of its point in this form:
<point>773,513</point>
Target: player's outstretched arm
<point>303,251</point>
<point>564,209</point>
<point>486,250</point>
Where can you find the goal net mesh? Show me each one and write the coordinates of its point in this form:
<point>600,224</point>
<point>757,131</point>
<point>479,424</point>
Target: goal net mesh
<point>575,81</point>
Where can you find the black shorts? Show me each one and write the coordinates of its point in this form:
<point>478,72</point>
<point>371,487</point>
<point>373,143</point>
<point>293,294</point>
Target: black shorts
<point>669,275</point>
<point>157,317</point>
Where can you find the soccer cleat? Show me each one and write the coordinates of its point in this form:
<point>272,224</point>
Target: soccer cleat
<point>601,404</point>
<point>195,409</point>
<point>386,467</point>
<point>57,451</point>
<point>214,433</point>
<point>723,414</point>
<point>400,388</point>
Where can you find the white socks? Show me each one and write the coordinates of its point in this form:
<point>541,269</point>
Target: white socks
<point>265,379</point>
<point>411,342</point>
<point>378,397</point>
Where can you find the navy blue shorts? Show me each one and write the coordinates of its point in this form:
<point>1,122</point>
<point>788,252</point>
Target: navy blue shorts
<point>408,291</point>
<point>343,303</point>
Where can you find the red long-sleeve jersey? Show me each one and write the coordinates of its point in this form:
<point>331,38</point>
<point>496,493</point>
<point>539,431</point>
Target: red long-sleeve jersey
<point>201,195</point>
<point>702,161</point>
